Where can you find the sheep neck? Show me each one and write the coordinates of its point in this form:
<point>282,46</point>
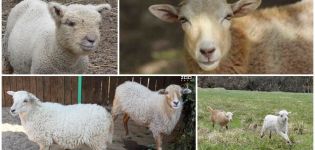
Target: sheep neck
<point>25,116</point>
<point>65,56</point>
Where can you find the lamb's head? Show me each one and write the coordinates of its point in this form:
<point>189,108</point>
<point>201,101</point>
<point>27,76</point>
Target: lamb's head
<point>283,115</point>
<point>229,115</point>
<point>206,24</point>
<point>173,94</point>
<point>22,101</point>
<point>77,26</point>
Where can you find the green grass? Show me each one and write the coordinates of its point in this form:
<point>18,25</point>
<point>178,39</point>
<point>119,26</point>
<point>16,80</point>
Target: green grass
<point>250,107</point>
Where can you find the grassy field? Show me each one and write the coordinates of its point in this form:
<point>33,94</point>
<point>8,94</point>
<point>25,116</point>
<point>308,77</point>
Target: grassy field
<point>250,108</point>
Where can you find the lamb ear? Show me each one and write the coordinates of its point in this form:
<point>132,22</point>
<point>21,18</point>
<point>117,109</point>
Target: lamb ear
<point>56,10</point>
<point>186,91</point>
<point>164,12</point>
<point>163,92</point>
<point>103,8</point>
<point>33,97</point>
<point>11,93</point>
<point>244,7</point>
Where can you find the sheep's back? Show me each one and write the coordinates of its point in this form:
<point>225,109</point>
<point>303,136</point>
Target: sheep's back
<point>281,39</point>
<point>71,125</point>
<point>138,101</point>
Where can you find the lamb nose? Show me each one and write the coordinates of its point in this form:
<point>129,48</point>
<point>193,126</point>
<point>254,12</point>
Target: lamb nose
<point>12,110</point>
<point>176,103</point>
<point>90,39</point>
<point>207,52</point>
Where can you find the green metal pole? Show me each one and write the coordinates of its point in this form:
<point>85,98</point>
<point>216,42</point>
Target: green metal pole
<point>79,89</point>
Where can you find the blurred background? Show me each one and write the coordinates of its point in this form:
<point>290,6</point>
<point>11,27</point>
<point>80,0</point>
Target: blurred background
<point>148,45</point>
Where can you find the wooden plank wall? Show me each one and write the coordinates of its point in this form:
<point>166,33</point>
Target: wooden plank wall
<point>99,90</point>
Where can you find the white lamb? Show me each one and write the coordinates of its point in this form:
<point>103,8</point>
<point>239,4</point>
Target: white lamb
<point>157,110</point>
<point>50,38</point>
<point>278,124</point>
<point>70,126</point>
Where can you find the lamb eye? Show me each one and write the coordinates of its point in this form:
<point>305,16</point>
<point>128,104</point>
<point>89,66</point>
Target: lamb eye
<point>70,23</point>
<point>25,101</point>
<point>228,17</point>
<point>183,20</point>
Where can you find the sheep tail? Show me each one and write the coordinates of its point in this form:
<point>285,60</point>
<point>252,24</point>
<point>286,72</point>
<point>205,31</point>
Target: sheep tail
<point>210,109</point>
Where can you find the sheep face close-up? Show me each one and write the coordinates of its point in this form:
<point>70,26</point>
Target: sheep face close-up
<point>174,95</point>
<point>283,114</point>
<point>78,25</point>
<point>206,26</point>
<point>22,102</point>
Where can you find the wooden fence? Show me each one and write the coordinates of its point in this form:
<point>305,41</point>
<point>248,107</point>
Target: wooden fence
<point>64,89</point>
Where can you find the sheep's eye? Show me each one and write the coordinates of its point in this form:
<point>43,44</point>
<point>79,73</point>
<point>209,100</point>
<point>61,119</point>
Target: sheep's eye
<point>25,101</point>
<point>70,23</point>
<point>183,20</point>
<point>228,17</point>
<point>281,116</point>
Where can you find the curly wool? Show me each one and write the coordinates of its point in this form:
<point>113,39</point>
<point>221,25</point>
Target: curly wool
<point>146,107</point>
<point>68,126</point>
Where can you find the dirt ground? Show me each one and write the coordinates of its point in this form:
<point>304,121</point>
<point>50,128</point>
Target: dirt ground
<point>104,59</point>
<point>14,138</point>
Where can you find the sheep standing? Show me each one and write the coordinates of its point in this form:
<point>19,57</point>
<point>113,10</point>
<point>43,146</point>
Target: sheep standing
<point>69,126</point>
<point>277,124</point>
<point>159,111</point>
<point>47,38</point>
<point>220,117</point>
<point>219,39</point>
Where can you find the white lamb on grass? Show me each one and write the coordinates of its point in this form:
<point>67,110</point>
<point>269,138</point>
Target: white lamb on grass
<point>70,127</point>
<point>50,38</point>
<point>277,124</point>
<point>157,110</point>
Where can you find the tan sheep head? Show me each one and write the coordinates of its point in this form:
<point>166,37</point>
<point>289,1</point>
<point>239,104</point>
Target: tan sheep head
<point>173,94</point>
<point>77,26</point>
<point>206,24</point>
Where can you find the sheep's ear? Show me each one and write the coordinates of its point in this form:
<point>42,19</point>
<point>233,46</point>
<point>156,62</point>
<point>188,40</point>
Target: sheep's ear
<point>164,12</point>
<point>186,91</point>
<point>10,93</point>
<point>103,8</point>
<point>56,10</point>
<point>244,7</point>
<point>33,97</point>
<point>163,92</point>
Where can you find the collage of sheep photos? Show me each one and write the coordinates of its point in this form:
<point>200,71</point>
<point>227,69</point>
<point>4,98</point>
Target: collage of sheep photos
<point>157,75</point>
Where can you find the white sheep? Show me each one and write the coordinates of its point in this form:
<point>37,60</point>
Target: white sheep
<point>47,38</point>
<point>220,117</point>
<point>157,110</point>
<point>277,124</point>
<point>69,126</point>
<point>234,38</point>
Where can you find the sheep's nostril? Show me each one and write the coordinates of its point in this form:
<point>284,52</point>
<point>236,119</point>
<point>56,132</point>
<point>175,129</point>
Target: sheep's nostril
<point>12,110</point>
<point>175,103</point>
<point>90,38</point>
<point>207,52</point>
